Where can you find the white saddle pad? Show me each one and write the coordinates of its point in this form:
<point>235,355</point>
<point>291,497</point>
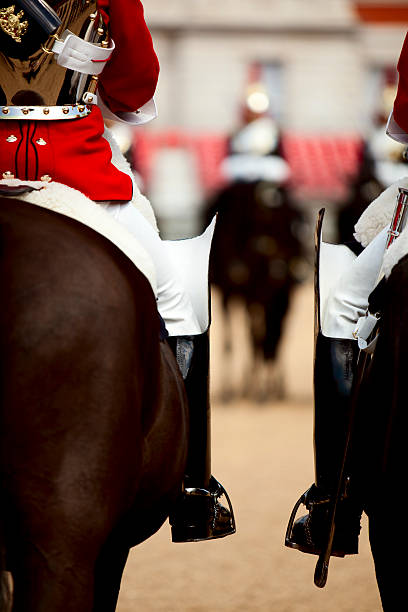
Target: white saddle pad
<point>375,217</point>
<point>74,204</point>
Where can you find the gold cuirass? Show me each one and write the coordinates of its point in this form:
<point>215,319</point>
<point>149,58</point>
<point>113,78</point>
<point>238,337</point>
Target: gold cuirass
<point>29,73</point>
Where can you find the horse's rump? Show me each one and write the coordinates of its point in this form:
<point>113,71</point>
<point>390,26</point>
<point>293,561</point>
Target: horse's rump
<point>85,392</point>
<point>379,448</point>
<point>382,425</point>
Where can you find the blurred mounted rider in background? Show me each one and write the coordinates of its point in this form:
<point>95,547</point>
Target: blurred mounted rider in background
<point>64,66</point>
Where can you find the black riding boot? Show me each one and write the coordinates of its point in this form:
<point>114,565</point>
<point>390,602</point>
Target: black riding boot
<point>198,513</point>
<point>334,369</point>
<point>335,364</point>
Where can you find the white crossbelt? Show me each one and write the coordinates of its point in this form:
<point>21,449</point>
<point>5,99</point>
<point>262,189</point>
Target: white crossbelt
<point>77,54</point>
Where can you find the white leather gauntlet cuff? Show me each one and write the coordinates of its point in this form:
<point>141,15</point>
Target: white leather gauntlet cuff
<point>348,299</point>
<point>77,54</point>
<point>143,115</point>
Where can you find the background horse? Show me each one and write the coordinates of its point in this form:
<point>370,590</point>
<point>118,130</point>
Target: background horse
<point>256,259</point>
<point>364,187</point>
<point>93,420</point>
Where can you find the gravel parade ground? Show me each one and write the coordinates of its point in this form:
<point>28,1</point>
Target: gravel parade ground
<point>264,455</point>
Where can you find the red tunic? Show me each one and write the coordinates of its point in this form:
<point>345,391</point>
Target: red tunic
<point>400,111</point>
<point>129,80</point>
<point>73,151</point>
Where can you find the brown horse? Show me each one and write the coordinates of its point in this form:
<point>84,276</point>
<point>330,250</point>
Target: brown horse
<point>256,260</point>
<point>93,417</point>
<point>379,457</point>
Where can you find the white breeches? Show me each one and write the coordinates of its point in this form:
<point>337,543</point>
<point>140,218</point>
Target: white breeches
<point>173,303</point>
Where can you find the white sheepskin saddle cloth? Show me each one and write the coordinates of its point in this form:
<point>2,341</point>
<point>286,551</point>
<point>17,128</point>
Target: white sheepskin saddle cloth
<point>375,217</point>
<point>74,204</point>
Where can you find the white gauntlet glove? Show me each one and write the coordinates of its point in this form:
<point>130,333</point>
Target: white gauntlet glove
<point>347,300</point>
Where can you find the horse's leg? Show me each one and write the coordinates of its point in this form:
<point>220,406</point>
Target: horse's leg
<point>40,585</point>
<point>276,310</point>
<point>108,575</point>
<point>54,552</point>
<point>227,392</point>
<point>153,503</point>
<point>386,550</point>
<point>253,379</point>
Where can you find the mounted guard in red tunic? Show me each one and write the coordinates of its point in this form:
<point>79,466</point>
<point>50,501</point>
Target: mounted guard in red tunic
<point>64,66</point>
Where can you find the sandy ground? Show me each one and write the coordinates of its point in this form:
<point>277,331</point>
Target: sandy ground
<point>264,457</point>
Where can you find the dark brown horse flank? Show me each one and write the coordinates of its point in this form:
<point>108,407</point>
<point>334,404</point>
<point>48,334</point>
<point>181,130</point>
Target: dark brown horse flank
<point>93,419</point>
<point>380,438</point>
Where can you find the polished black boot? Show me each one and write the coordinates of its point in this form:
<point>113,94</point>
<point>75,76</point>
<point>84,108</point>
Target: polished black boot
<point>334,370</point>
<point>198,514</point>
<point>331,501</point>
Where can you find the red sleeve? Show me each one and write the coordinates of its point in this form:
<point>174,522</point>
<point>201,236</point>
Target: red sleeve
<point>130,77</point>
<point>401,100</point>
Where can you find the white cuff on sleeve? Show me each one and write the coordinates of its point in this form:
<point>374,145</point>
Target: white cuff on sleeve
<point>395,131</point>
<point>144,114</point>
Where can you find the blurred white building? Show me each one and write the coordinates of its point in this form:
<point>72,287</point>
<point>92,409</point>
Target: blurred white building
<point>324,68</point>
<point>322,61</point>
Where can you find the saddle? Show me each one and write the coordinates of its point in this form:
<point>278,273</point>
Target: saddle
<point>16,190</point>
<point>69,202</point>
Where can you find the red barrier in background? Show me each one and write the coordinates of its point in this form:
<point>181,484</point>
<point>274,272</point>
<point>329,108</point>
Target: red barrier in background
<point>321,165</point>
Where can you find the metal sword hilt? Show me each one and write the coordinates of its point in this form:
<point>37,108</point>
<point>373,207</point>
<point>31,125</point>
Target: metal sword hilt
<point>399,218</point>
